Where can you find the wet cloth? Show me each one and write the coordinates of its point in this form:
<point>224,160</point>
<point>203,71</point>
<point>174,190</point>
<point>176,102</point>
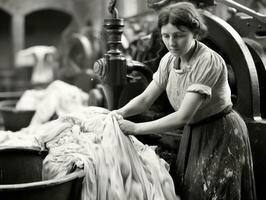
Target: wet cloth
<point>214,161</point>
<point>117,167</point>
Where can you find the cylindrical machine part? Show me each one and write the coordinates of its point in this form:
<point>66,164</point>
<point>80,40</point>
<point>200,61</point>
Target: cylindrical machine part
<point>112,68</point>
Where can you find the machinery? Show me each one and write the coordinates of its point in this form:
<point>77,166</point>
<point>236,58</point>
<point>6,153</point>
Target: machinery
<point>112,68</point>
<point>115,70</point>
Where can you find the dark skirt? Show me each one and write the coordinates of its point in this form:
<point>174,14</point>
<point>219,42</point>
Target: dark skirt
<point>214,161</point>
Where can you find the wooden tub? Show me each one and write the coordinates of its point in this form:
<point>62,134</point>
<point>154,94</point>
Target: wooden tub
<point>21,179</point>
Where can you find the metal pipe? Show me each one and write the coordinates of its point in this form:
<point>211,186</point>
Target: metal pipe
<point>244,9</point>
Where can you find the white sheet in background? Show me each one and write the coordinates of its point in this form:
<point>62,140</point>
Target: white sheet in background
<point>58,98</point>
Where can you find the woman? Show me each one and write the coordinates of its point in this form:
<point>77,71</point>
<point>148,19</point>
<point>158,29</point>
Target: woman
<point>214,159</point>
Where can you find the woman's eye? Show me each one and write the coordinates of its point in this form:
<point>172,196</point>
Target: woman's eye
<point>165,36</point>
<point>178,36</point>
<point>175,36</point>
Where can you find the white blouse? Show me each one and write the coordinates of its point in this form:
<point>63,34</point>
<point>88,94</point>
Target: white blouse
<point>206,73</point>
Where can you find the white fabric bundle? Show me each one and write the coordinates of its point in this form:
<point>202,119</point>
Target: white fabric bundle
<point>117,167</point>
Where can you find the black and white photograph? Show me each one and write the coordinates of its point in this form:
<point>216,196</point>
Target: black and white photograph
<point>132,99</point>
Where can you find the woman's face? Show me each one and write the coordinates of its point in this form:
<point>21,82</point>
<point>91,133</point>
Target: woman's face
<point>177,40</point>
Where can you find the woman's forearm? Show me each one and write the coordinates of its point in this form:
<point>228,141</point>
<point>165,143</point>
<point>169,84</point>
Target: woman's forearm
<point>178,119</point>
<point>134,107</point>
<point>142,102</point>
<point>170,122</point>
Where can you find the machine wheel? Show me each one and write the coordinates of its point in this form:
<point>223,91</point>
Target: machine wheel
<point>229,44</point>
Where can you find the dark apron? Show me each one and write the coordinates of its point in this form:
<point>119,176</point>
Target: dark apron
<point>214,160</point>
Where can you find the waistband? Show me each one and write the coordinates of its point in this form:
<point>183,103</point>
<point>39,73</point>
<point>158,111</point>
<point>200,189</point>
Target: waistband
<point>214,117</point>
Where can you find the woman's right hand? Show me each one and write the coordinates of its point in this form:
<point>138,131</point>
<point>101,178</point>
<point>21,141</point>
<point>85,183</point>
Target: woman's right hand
<point>128,127</point>
<point>116,114</point>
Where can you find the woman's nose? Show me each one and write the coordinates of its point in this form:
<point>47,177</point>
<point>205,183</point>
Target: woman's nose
<point>172,42</point>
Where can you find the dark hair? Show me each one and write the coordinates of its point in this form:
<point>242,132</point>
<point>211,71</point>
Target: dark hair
<point>183,14</point>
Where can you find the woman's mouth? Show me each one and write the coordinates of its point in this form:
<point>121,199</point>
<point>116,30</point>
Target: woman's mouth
<point>174,50</point>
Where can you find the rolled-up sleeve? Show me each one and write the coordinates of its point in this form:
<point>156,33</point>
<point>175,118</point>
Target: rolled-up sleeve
<point>200,88</point>
<point>206,74</point>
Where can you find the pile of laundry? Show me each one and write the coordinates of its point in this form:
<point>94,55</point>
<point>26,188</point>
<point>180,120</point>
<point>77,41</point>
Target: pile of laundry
<point>57,99</point>
<point>117,167</point>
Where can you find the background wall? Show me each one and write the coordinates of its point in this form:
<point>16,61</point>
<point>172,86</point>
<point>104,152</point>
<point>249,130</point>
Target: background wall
<point>41,22</point>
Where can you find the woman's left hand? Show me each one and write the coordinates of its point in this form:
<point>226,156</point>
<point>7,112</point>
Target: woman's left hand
<point>127,127</point>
